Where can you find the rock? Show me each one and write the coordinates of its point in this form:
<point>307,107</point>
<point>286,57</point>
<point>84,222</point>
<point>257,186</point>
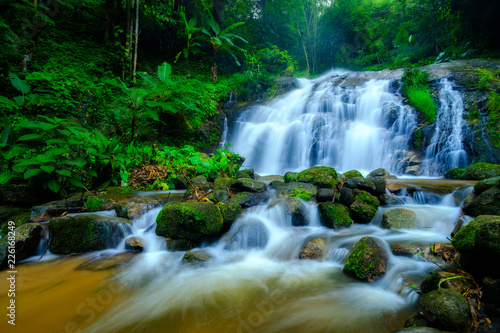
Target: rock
<point>46,212</point>
<point>295,209</point>
<point>324,195</point>
<point>97,203</point>
<point>366,261</point>
<point>199,182</point>
<point>220,195</point>
<point>445,309</point>
<point>134,244</point>
<point>181,244</point>
<point>491,291</point>
<point>230,213</point>
<point>398,218</point>
<point>106,261</point>
<point>195,257</point>
<point>297,189</point>
<point>290,177</point>
<point>380,185</point>
<point>445,280</point>
<point>85,233</point>
<point>454,174</point>
<point>364,207</point>
<point>486,184</point>
<point>247,199</point>
<point>478,244</point>
<point>136,207</point>
<point>386,199</point>
<point>334,215</point>
<point>480,171</point>
<point>380,173</point>
<point>189,220</point>
<point>248,185</point>
<point>351,174</point>
<point>18,219</point>
<point>360,183</point>
<point>313,250</point>
<point>405,250</point>
<point>347,196</point>
<point>247,173</point>
<point>25,243</point>
<point>486,203</point>
<point>320,176</point>
<point>276,184</point>
<point>223,183</point>
<point>180,183</point>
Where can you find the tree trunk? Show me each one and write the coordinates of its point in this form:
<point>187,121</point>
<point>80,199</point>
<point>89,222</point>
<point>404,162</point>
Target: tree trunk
<point>134,71</point>
<point>128,40</point>
<point>213,69</point>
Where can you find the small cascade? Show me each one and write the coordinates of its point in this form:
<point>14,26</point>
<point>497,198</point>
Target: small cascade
<point>446,150</point>
<point>223,141</point>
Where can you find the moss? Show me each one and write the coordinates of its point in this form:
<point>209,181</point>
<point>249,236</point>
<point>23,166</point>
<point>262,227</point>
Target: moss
<point>480,171</point>
<point>334,215</point>
<point>416,89</point>
<point>18,219</point>
<point>290,177</point>
<point>320,176</point>
<point>455,173</point>
<point>95,203</point>
<point>352,174</point>
<point>119,190</point>
<point>366,261</point>
<point>354,261</point>
<point>301,194</point>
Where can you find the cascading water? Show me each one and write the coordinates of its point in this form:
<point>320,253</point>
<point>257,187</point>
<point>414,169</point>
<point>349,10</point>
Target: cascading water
<point>446,150</point>
<point>322,123</point>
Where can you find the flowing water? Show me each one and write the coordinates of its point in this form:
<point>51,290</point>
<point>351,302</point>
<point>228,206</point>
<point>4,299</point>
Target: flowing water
<point>254,281</point>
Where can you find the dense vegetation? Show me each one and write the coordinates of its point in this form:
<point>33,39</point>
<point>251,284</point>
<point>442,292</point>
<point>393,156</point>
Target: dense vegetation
<point>94,89</point>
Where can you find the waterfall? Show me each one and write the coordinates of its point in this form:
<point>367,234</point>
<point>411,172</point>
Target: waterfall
<point>323,123</point>
<point>446,150</point>
<point>223,141</point>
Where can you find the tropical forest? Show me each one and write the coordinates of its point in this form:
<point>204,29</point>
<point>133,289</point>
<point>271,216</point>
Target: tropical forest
<point>257,166</point>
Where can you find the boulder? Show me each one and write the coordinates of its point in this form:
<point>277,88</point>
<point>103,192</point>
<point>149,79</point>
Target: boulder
<point>192,257</point>
<point>324,195</point>
<point>313,250</point>
<point>445,309</point>
<point>85,233</point>
<point>445,280</point>
<point>248,199</point>
<point>380,185</point>
<point>454,174</point>
<point>220,196</point>
<point>18,219</point>
<point>486,203</point>
<point>480,171</point>
<point>290,177</point>
<point>223,183</point>
<point>486,184</point>
<point>398,218</point>
<point>478,245</point>
<point>404,249</point>
<point>297,189</point>
<point>360,183</point>
<point>380,173</point>
<point>248,185</point>
<point>25,244</point>
<point>189,220</point>
<point>334,215</point>
<point>134,244</point>
<point>386,199</point>
<point>351,174</point>
<point>230,213</point>
<point>200,182</point>
<point>276,184</point>
<point>320,176</point>
<point>136,207</point>
<point>366,261</point>
<point>295,209</point>
<point>47,211</point>
<point>181,244</point>
<point>364,207</point>
<point>247,173</point>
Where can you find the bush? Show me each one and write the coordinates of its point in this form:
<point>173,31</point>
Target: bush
<point>416,89</point>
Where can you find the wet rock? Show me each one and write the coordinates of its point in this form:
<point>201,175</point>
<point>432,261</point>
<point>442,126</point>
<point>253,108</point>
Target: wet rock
<point>360,183</point>
<point>248,199</point>
<point>478,244</point>
<point>480,171</point>
<point>364,207</point>
<point>276,184</point>
<point>195,257</point>
<point>405,250</point>
<point>248,185</point>
<point>180,183</point>
<point>230,213</point>
<point>136,207</point>
<point>366,261</point>
<point>352,174</point>
<point>380,173</point>
<point>491,291</point>
<point>181,244</point>
<point>95,203</point>
<point>189,220</point>
<point>223,183</point>
<point>247,173</point>
<point>134,244</point>
<point>107,261</point>
<point>380,186</point>
<point>290,177</point>
<point>200,182</point>
<point>25,242</point>
<point>347,196</point>
<point>486,203</point>
<point>297,189</point>
<point>47,211</point>
<point>294,208</point>
<point>486,184</point>
<point>386,199</point>
<point>85,233</point>
<point>313,250</point>
<point>320,176</point>
<point>18,219</point>
<point>334,215</point>
<point>445,309</point>
<point>445,280</point>
<point>398,218</point>
<point>220,195</point>
<point>324,195</point>
<point>454,174</point>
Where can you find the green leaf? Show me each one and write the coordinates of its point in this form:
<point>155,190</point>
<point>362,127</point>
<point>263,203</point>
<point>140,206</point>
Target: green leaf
<point>75,182</point>
<point>54,185</point>
<point>19,168</point>
<point>19,84</point>
<point>164,72</point>
<point>6,176</point>
<point>47,168</point>
<point>27,137</point>
<point>78,162</point>
<point>5,100</point>
<point>7,125</point>
<point>91,173</point>
<point>20,100</point>
<point>64,172</point>
<point>31,173</point>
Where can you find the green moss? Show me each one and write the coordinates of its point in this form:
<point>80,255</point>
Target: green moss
<point>18,219</point>
<point>455,173</point>
<point>352,174</point>
<point>416,89</point>
<point>354,264</point>
<point>95,203</point>
<point>119,190</point>
<point>334,215</point>
<point>290,177</point>
<point>301,194</point>
<point>320,176</point>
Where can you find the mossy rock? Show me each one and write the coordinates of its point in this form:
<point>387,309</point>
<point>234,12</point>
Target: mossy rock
<point>486,203</point>
<point>96,203</point>
<point>404,249</point>
<point>248,199</point>
<point>445,309</point>
<point>86,233</point>
<point>445,280</point>
<point>247,173</point>
<point>366,261</point>
<point>455,173</point>
<point>399,218</point>
<point>26,240</point>
<point>220,196</point>
<point>363,184</point>
<point>223,183</point>
<point>479,246</point>
<point>480,171</point>
<point>313,250</point>
<point>294,208</point>
<point>291,189</point>
<point>200,182</point>
<point>276,184</point>
<point>248,185</point>
<point>325,195</point>
<point>364,208</point>
<point>290,177</point>
<point>119,190</point>
<point>320,176</point>
<point>192,257</point>
<point>18,219</point>
<point>230,213</point>
<point>380,173</point>
<point>334,215</point>
<point>189,220</point>
<point>352,174</point>
<point>486,184</point>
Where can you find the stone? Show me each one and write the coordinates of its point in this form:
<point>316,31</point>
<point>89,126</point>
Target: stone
<point>334,215</point>
<point>220,195</point>
<point>290,177</point>
<point>86,233</point>
<point>295,209</point>
<point>18,219</point>
<point>192,257</point>
<point>445,280</point>
<point>189,220</point>
<point>480,171</point>
<point>479,246</point>
<point>380,173</point>
<point>247,173</point>
<point>404,249</point>
<point>26,240</point>
<point>445,309</point>
<point>380,185</point>
<point>313,250</point>
<point>366,261</point>
<point>134,244</point>
<point>360,183</point>
<point>486,184</point>
<point>181,244</point>
<point>248,185</point>
<point>398,218</point>
<point>47,211</point>
<point>200,182</point>
<point>351,174</point>
<point>386,199</point>
<point>223,183</point>
<point>320,176</point>
<point>248,199</point>
<point>364,207</point>
<point>486,203</point>
<point>454,174</point>
<point>324,195</point>
<point>230,213</point>
<point>297,189</point>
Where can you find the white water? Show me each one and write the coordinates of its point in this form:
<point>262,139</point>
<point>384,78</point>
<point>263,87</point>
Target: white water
<point>360,128</point>
<point>446,150</point>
